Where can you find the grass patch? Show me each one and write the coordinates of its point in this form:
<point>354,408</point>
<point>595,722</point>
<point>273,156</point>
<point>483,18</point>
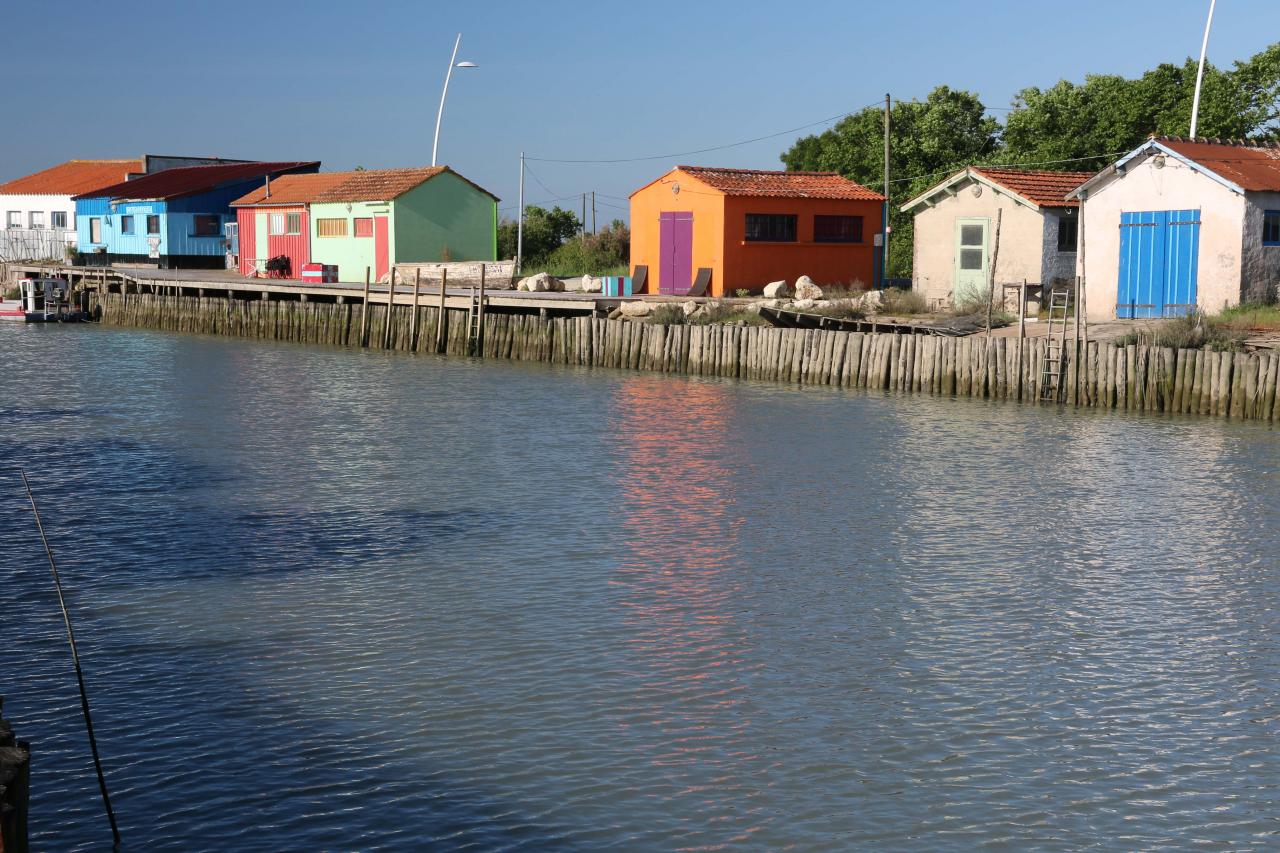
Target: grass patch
<point>1194,330</point>
<point>844,309</point>
<point>899,302</point>
<point>1251,318</point>
<point>719,313</point>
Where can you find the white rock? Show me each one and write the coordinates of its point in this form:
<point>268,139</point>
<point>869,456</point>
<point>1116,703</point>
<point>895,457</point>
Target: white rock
<point>871,299</point>
<point>803,304</point>
<point>806,289</point>
<point>540,283</point>
<point>775,290</point>
<point>689,308</point>
<point>636,308</point>
<point>591,284</point>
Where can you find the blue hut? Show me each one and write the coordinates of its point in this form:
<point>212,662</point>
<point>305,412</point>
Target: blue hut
<point>174,218</point>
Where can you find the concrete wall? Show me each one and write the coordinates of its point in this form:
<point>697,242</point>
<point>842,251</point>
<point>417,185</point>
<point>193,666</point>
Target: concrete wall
<point>1175,187</point>
<point>442,213</point>
<point>1023,236</point>
<point>1260,265</point>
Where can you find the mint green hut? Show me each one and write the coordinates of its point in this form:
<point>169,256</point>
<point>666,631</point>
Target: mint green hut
<point>372,219</point>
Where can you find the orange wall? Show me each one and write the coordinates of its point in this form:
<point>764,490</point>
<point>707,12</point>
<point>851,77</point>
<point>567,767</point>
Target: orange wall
<point>719,225</point>
<point>753,265</point>
<point>707,207</point>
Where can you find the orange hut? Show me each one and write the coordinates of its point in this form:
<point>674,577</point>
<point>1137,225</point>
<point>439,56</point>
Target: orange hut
<point>740,229</point>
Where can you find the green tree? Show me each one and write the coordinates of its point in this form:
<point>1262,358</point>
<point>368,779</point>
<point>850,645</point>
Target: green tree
<point>544,232</point>
<point>948,127</point>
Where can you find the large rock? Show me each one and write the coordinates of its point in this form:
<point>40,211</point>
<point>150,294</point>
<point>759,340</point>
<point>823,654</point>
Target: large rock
<point>871,300</point>
<point>636,308</point>
<point>806,289</point>
<point>591,284</point>
<point>690,308</point>
<point>540,283</point>
<point>776,290</point>
<point>804,304</point>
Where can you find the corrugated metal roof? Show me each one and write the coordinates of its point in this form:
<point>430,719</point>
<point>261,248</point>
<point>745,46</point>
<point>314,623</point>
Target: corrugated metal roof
<point>1047,189</point>
<point>364,185</point>
<point>73,177</point>
<point>192,180</point>
<point>1252,166</point>
<point>774,184</point>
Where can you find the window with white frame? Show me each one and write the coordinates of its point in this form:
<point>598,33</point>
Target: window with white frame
<point>58,219</point>
<point>36,219</point>
<point>13,219</point>
<point>294,225</point>
<point>95,230</point>
<point>275,226</point>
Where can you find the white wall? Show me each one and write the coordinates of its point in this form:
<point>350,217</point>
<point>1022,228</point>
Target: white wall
<point>1146,188</point>
<point>1260,268</point>
<point>46,204</point>
<point>1022,240</point>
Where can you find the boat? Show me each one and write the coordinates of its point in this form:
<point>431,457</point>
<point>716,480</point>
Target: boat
<point>43,300</point>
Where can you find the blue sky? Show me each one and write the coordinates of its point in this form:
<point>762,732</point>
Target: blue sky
<point>353,83</point>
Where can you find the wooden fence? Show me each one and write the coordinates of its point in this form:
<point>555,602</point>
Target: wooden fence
<point>1133,378</point>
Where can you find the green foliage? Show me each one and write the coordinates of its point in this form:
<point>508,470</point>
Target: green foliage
<point>667,314</point>
<point>544,232</point>
<point>605,253</point>
<point>742,293</point>
<point>1103,115</point>
<point>1194,330</point>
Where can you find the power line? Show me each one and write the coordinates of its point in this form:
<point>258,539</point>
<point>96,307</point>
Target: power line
<point>996,166</point>
<point>712,148</point>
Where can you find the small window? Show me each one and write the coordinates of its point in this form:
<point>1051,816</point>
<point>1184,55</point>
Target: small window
<point>771,227</point>
<point>970,259</point>
<point>331,227</point>
<point>276,227</point>
<point>95,230</point>
<point>208,225</point>
<point>153,224</point>
<point>837,229</point>
<point>37,219</point>
<point>59,219</point>
<point>364,226</point>
<point>973,235</point>
<point>294,225</point>
<point>1068,233</point>
<point>126,224</point>
<point>14,219</point>
<point>1271,228</point>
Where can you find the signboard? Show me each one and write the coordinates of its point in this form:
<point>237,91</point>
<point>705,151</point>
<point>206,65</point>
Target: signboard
<point>153,247</point>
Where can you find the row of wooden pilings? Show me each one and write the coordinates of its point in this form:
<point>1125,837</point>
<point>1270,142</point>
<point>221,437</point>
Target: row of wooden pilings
<point>1098,375</point>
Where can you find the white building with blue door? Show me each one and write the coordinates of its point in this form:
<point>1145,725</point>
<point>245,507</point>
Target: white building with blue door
<point>1179,224</point>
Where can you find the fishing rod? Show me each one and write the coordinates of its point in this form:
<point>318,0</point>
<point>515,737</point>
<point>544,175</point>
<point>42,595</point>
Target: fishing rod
<point>75,658</point>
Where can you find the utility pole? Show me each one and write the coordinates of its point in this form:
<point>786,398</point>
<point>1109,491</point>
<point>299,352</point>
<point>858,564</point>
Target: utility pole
<point>593,212</point>
<point>884,253</point>
<point>1204,48</point>
<point>520,227</point>
<point>584,214</point>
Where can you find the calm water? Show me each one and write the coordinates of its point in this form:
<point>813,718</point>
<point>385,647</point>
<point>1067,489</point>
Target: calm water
<point>332,600</point>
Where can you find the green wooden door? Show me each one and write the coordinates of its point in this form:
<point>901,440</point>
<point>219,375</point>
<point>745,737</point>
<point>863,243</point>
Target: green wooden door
<point>972,257</point>
<point>260,240</point>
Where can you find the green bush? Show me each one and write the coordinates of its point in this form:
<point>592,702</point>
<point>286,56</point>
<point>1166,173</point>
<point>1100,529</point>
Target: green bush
<point>667,314</point>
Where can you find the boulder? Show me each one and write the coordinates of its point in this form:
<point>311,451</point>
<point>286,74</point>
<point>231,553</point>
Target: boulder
<point>803,304</point>
<point>806,289</point>
<point>636,308</point>
<point>591,284</point>
<point>540,283</point>
<point>775,290</point>
<point>690,308</point>
<point>871,300</point>
<point>615,314</point>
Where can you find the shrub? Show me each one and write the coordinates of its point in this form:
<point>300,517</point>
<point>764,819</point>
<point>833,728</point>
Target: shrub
<point>742,293</point>
<point>841,309</point>
<point>1193,330</point>
<point>898,301</point>
<point>606,253</point>
<point>667,314</point>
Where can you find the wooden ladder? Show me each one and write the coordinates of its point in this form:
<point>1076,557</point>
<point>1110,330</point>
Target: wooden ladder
<point>1056,346</point>
<point>474,315</point>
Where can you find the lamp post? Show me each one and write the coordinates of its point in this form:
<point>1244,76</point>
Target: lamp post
<point>1204,48</point>
<point>453,63</point>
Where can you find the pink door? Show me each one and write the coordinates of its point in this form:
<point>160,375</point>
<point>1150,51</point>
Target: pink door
<point>675,245</point>
<point>381,246</point>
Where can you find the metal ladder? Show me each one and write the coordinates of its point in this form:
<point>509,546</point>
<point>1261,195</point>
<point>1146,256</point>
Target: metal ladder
<point>473,322</point>
<point>1056,346</point>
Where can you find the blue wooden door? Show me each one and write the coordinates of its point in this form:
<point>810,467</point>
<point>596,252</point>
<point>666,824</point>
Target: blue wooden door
<point>1159,251</point>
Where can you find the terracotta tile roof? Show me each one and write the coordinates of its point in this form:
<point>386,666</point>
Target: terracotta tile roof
<point>192,180</point>
<point>366,185</point>
<point>1047,189</point>
<point>1252,166</point>
<point>73,177</point>
<point>292,189</point>
<point>756,182</point>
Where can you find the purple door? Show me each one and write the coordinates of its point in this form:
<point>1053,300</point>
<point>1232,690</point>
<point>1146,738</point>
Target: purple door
<point>675,244</point>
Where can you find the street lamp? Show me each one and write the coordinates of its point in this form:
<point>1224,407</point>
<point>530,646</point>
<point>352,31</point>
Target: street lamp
<point>453,63</point>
